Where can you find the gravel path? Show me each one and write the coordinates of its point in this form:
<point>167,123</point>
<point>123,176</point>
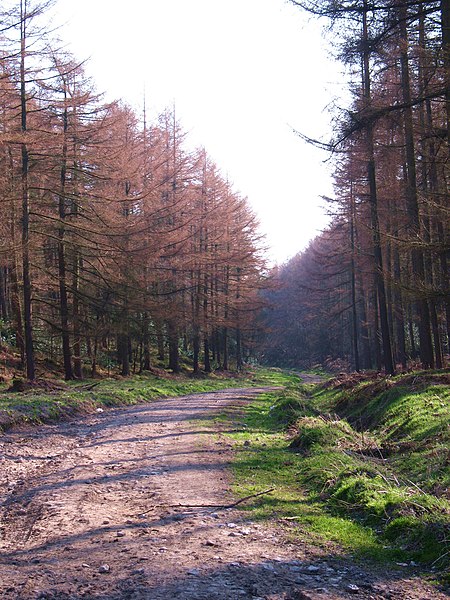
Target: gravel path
<point>126,505</point>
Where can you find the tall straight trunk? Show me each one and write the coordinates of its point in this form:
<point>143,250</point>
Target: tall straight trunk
<point>160,340</point>
<point>439,356</point>
<point>399,319</point>
<point>146,342</point>
<point>3,304</point>
<point>174,356</point>
<point>94,357</point>
<point>76,268</point>
<point>206,354</point>
<point>77,364</point>
<point>207,361</point>
<point>431,187</point>
<point>239,360</point>
<point>365,336</point>
<point>129,352</point>
<point>379,273</point>
<point>88,346</point>
<point>445,26</point>
<point>63,303</point>
<point>444,267</point>
<point>196,350</point>
<point>434,324</point>
<point>375,225</point>
<point>218,357</point>
<point>26,279</point>
<point>16,306</point>
<point>417,257</point>
<point>212,346</point>
<point>17,311</point>
<point>353,283</point>
<point>195,301</point>
<point>123,354</point>
<point>226,355</point>
<point>225,349</point>
<point>376,329</point>
<point>412,337</point>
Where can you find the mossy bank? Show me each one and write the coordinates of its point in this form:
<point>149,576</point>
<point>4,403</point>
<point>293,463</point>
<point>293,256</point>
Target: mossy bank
<point>49,400</point>
<point>360,463</point>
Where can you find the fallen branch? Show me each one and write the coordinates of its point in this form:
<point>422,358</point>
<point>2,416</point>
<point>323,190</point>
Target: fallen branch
<point>440,558</point>
<point>217,506</point>
<point>248,498</point>
<point>87,386</point>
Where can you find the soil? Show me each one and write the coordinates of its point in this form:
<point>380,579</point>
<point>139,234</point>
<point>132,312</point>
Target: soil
<point>129,504</point>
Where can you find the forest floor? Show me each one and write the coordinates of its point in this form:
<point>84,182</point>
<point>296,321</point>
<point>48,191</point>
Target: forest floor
<point>131,503</point>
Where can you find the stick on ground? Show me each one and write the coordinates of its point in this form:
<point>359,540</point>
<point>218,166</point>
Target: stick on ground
<point>217,506</point>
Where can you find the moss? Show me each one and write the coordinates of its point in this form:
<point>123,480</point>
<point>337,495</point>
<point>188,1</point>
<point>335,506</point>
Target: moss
<point>287,409</point>
<point>311,432</point>
<point>371,456</point>
<point>426,538</point>
<point>50,400</point>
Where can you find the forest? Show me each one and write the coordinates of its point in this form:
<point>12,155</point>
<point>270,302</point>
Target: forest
<point>225,428</point>
<point>119,242</point>
<point>121,245</point>
<point>372,290</point>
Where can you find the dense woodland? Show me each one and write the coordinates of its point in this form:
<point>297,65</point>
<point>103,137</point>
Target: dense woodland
<point>119,243</point>
<point>372,291</point>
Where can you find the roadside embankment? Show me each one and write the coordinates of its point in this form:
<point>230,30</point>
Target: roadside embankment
<point>361,461</point>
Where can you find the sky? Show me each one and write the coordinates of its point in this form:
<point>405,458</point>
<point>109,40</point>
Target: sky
<point>242,75</point>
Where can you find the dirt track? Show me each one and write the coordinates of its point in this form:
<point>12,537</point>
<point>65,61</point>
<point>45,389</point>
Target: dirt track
<point>90,509</point>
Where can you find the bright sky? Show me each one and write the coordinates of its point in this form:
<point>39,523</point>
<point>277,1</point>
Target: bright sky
<point>242,74</point>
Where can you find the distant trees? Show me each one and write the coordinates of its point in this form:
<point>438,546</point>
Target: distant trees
<point>119,243</point>
<point>381,268</point>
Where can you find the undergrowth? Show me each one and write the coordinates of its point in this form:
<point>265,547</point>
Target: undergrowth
<point>51,400</point>
<point>364,466</point>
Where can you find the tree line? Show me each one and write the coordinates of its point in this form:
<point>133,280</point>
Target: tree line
<point>118,241</point>
<point>372,291</point>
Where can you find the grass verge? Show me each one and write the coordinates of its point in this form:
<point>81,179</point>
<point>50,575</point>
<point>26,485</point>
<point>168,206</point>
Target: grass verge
<point>363,466</point>
<point>52,400</point>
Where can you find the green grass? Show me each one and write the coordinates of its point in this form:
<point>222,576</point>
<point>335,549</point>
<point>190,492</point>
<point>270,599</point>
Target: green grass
<point>53,400</point>
<point>363,468</point>
<point>409,415</point>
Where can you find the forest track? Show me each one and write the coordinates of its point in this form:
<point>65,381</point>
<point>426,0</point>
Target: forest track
<point>122,505</point>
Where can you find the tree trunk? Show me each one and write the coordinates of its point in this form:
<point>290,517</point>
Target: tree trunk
<point>63,303</point>
<point>445,26</point>
<point>196,352</point>
<point>218,357</point>
<point>426,347</point>
<point>123,356</point>
<point>3,304</point>
<point>376,330</point>
<point>239,361</point>
<point>146,343</point>
<point>160,340</point>
<point>375,225</point>
<point>225,349</point>
<point>353,283</point>
<point>398,313</point>
<point>367,354</point>
<point>77,364</point>
<point>26,279</point>
<point>206,354</point>
<point>174,356</point>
